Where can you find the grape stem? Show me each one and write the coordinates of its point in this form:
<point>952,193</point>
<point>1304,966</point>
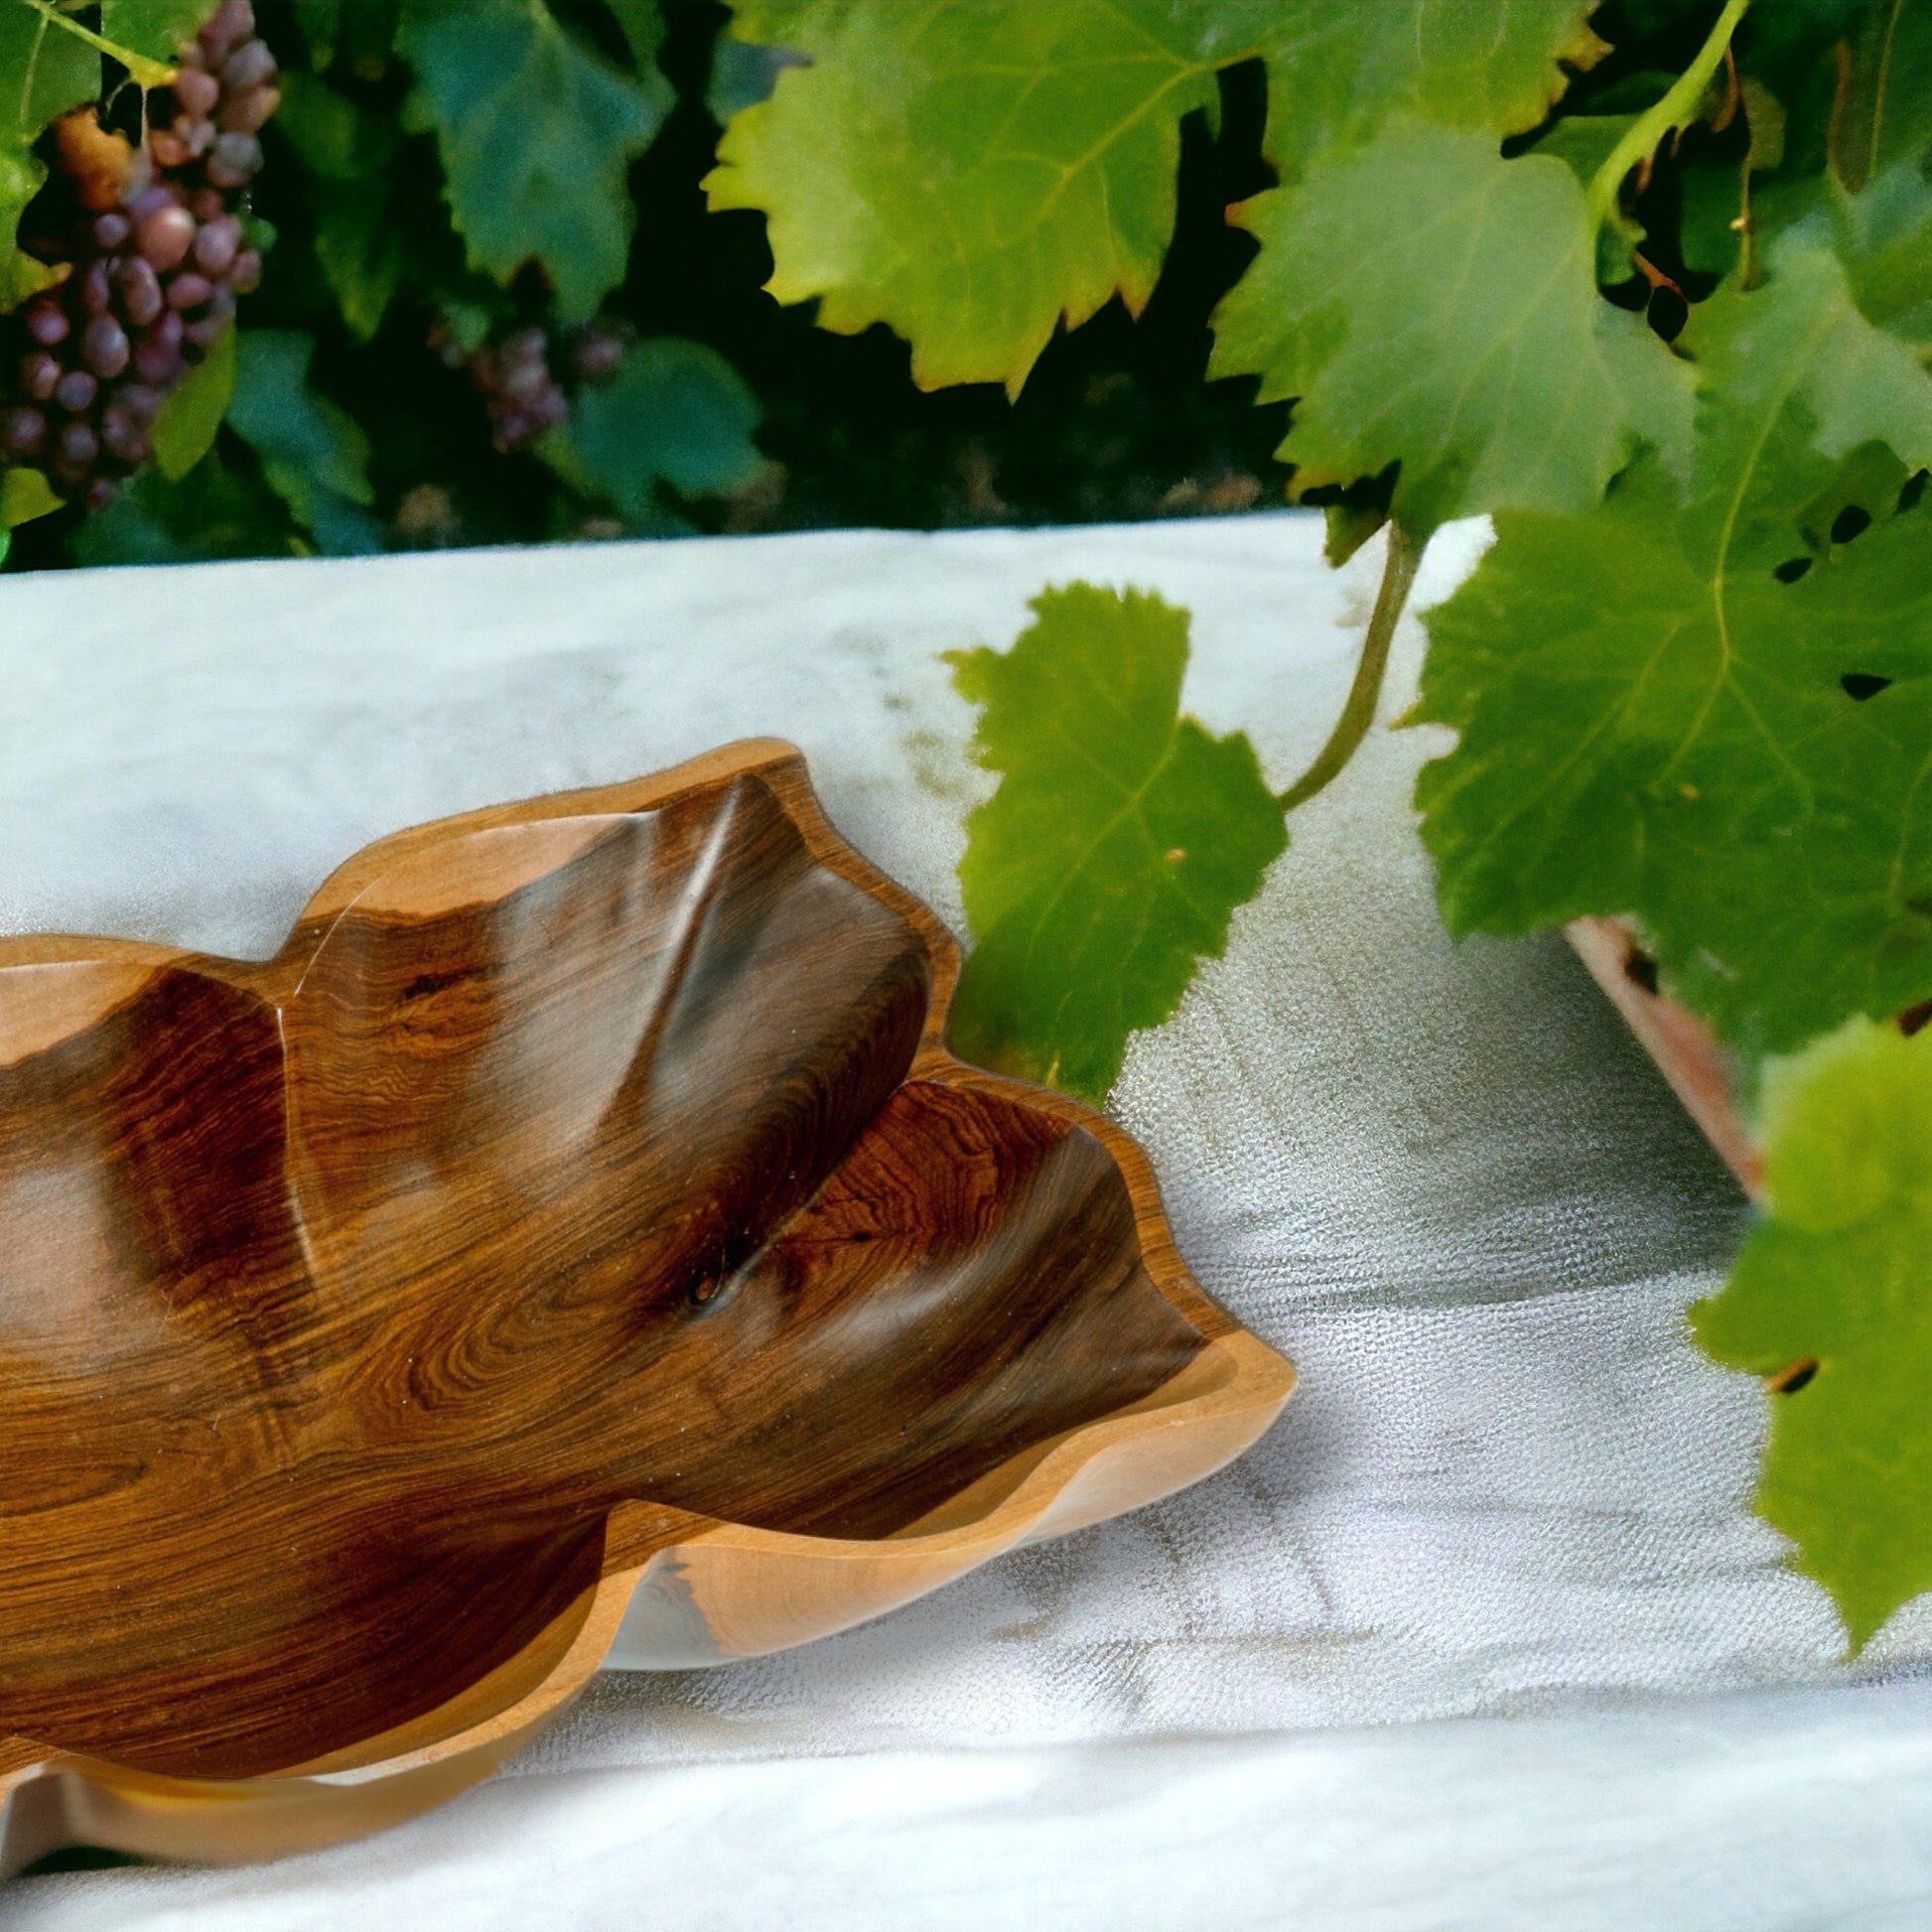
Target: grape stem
<point>1678,108</point>
<point>1398,575</point>
<point>147,73</point>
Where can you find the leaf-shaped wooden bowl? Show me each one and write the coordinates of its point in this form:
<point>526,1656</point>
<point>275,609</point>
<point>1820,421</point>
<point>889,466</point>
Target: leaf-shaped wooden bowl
<point>576,1245</point>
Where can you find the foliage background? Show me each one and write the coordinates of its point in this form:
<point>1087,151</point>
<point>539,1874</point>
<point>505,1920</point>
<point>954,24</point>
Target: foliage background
<point>1117,422</point>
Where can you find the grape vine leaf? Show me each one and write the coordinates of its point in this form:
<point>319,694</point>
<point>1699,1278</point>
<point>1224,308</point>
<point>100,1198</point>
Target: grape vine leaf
<point>536,132</point>
<point>641,22</point>
<point>970,171</point>
<point>314,454</point>
<point>1884,238</point>
<point>44,72</point>
<point>211,514</point>
<point>1106,866</point>
<point>348,156</point>
<point>190,420</point>
<point>1469,342</point>
<point>24,495</point>
<point>1836,1281</point>
<point>1669,709</point>
<point>1882,114</point>
<point>356,34</point>
<point>674,412</point>
<point>1336,72</point>
<point>160,28</point>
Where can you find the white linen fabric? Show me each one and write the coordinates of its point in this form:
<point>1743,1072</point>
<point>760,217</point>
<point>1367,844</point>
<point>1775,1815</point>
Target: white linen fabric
<point>1442,1177</point>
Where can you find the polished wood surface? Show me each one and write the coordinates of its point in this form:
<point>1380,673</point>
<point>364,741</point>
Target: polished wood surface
<point>577,1235</point>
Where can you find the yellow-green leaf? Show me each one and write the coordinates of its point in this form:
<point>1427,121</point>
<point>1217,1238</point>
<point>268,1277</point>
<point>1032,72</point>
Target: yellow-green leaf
<point>186,429</point>
<point>1831,1302</point>
<point>971,172</point>
<point>24,495</point>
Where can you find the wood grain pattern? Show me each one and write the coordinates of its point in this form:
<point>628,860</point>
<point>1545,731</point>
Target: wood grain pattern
<point>577,1235</point>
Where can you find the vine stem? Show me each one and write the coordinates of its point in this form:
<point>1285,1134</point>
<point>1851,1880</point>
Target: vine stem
<point>1398,575</point>
<point>149,73</point>
<point>1677,110</point>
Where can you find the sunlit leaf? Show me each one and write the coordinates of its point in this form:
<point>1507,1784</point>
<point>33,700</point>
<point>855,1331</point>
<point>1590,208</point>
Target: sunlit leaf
<point>1672,707</point>
<point>1508,380</point>
<point>1832,1301</point>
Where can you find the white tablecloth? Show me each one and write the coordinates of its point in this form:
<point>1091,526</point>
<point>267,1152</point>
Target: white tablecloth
<point>1421,1658</point>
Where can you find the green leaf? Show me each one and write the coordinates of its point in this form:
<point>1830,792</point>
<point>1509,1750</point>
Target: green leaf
<point>351,159</point>
<point>1651,701</point>
<point>186,429</point>
<point>970,172</point>
<point>314,454</point>
<point>675,412</point>
<point>355,33</point>
<point>44,74</point>
<point>1508,382</point>
<point>210,514</point>
<point>1885,238</point>
<point>1335,74</point>
<point>743,75</point>
<point>160,28</point>
<point>24,495</point>
<point>641,23</point>
<point>1122,837</point>
<point>1840,1275</point>
<point>536,132</point>
<point>1883,115</point>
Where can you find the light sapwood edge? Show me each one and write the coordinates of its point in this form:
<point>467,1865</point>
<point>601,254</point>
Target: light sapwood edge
<point>1197,1422</point>
<point>1687,1052</point>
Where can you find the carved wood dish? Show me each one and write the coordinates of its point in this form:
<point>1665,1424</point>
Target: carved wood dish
<point>575,1246</point>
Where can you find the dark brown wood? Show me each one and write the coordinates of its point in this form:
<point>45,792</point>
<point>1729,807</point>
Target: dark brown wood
<point>587,1152</point>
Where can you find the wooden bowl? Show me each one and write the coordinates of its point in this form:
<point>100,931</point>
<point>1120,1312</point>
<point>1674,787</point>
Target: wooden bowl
<point>576,1245</point>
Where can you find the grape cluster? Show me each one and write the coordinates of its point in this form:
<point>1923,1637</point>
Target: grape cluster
<point>519,388</point>
<point>157,262</point>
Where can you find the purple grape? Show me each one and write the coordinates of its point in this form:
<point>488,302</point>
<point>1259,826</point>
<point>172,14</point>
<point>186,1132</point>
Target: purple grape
<point>232,23</point>
<point>249,113</point>
<point>105,347</point>
<point>198,91</point>
<point>152,283</point>
<point>124,438</point>
<point>167,236</point>
<point>74,449</point>
<point>39,373</point>
<point>235,161</point>
<point>218,244</point>
<point>157,360</point>
<point>101,491</point>
<point>140,286</point>
<point>248,66</point>
<point>141,401</point>
<point>23,433</point>
<point>46,324</point>
<point>76,392</point>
